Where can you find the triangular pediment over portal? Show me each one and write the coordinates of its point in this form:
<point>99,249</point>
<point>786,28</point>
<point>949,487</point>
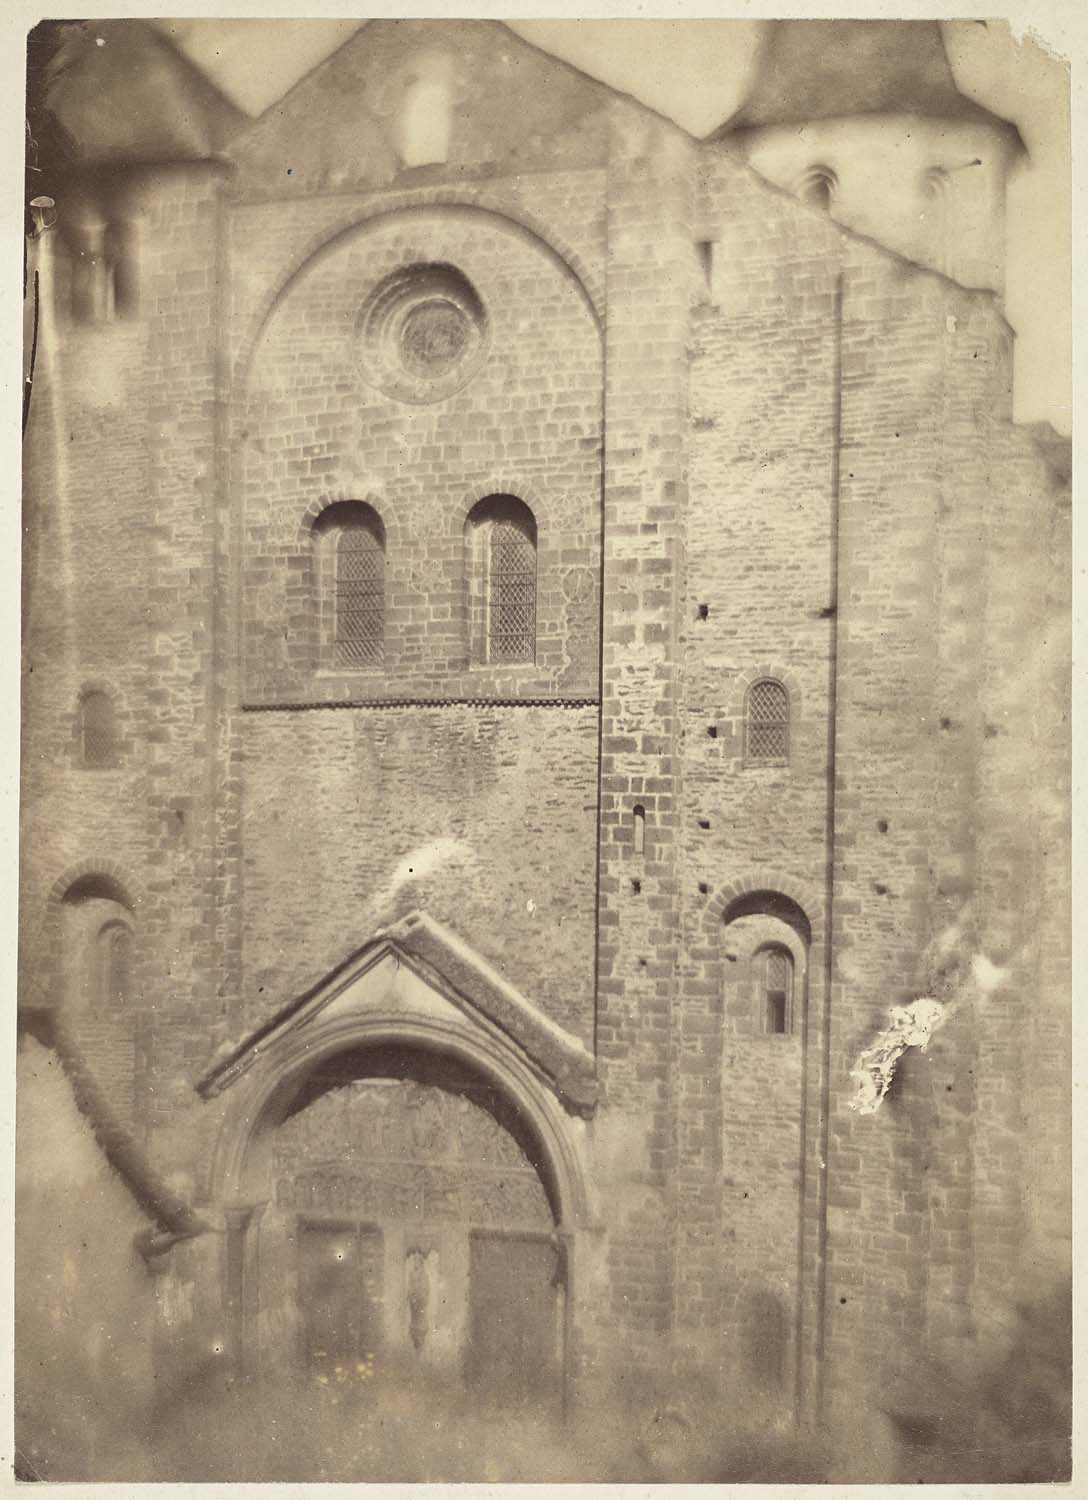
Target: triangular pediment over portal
<point>419,975</point>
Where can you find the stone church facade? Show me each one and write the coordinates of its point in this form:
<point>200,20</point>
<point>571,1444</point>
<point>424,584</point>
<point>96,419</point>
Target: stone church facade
<point>537,640</point>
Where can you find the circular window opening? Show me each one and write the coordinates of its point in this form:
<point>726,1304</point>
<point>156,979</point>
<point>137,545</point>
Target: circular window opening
<point>423,333</point>
<point>434,337</point>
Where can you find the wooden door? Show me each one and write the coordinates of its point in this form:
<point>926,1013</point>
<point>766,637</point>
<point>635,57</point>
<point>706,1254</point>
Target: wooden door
<point>515,1314</point>
<point>339,1292</point>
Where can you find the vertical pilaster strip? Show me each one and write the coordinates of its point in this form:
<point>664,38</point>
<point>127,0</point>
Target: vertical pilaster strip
<point>892,380</point>
<point>650,269</point>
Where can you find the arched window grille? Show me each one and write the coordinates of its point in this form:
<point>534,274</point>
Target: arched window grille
<point>776,988</point>
<point>504,561</point>
<point>511,601</point>
<point>350,574</point>
<point>767,734</point>
<point>97,734</point>
<point>360,596</point>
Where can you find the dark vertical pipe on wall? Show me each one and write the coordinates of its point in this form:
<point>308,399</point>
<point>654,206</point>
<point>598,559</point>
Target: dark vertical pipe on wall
<point>600,699</point>
<point>829,845</point>
<point>29,378</point>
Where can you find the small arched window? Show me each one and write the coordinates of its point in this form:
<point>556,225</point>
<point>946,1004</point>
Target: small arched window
<point>97,731</point>
<point>639,817</point>
<point>503,580</point>
<point>423,128</point>
<point>352,564</point>
<point>767,722</point>
<point>817,187</point>
<point>96,946</point>
<point>114,965</point>
<point>776,989</point>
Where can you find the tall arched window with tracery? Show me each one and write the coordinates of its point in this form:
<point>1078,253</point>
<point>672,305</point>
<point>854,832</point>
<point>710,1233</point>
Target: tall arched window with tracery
<point>767,722</point>
<point>351,567</point>
<point>502,538</point>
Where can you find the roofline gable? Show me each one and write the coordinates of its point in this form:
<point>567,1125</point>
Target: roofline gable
<point>606,90</point>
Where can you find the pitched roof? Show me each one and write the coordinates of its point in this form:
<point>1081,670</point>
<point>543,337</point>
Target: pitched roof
<point>121,91</point>
<point>821,70</point>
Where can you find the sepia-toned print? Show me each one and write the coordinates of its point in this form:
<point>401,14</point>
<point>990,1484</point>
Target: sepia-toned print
<point>545,916</point>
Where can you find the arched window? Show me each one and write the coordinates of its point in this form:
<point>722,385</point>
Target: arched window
<point>639,818</point>
<point>767,722</point>
<point>502,535</point>
<point>97,733</point>
<point>96,975</point>
<point>97,943</point>
<point>766,939</point>
<point>423,128</point>
<point>776,990</point>
<point>360,596</point>
<point>352,567</point>
<point>817,187</point>
<point>113,949</point>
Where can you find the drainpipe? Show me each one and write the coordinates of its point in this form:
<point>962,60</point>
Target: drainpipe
<point>44,211</point>
<point>829,899</point>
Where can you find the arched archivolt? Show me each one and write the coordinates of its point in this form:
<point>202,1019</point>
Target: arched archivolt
<point>325,514</point>
<point>263,1097</point>
<point>101,878</point>
<point>772,892</point>
<point>464,204</point>
<point>515,487</point>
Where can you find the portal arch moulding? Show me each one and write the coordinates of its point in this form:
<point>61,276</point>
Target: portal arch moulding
<point>263,1095</point>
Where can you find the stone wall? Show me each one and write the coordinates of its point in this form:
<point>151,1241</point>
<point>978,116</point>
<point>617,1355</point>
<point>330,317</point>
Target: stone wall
<point>754,448</point>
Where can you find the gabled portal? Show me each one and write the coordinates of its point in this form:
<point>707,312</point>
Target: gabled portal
<point>395,1139</point>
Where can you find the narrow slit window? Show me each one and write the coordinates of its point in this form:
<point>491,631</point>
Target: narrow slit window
<point>706,261</point>
<point>640,829</point>
<point>768,722</point>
